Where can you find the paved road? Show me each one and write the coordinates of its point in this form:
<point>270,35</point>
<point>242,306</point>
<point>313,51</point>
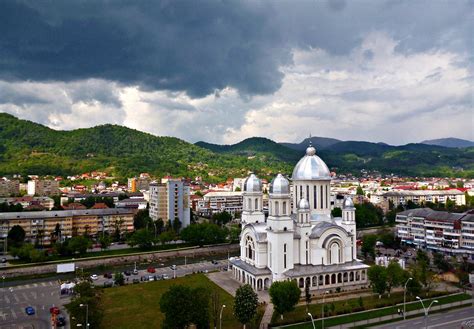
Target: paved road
<point>461,318</point>
<point>41,296</point>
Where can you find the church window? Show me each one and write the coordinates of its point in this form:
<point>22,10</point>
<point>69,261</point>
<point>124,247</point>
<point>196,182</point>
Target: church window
<point>307,254</point>
<point>256,204</point>
<point>284,207</point>
<point>322,203</point>
<point>327,196</point>
<point>301,192</point>
<point>315,197</point>
<point>284,255</point>
<point>307,193</point>
<point>277,208</point>
<point>250,248</point>
<point>270,255</point>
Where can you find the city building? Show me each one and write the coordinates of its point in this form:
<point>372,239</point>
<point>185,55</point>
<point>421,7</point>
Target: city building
<point>215,202</point>
<point>450,233</point>
<point>132,203</point>
<point>41,224</point>
<point>43,187</point>
<point>29,201</point>
<point>170,200</point>
<point>141,183</point>
<point>423,196</point>
<point>9,187</point>
<point>302,242</point>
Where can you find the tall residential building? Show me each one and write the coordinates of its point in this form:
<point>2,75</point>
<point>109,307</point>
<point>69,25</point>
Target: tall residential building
<point>451,233</point>
<point>43,187</point>
<point>141,183</point>
<point>9,187</point>
<point>170,200</point>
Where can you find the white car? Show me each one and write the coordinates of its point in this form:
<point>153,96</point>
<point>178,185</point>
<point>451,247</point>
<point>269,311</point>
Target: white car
<point>94,277</point>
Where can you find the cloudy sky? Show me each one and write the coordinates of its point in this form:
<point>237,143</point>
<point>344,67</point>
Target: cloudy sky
<point>221,71</point>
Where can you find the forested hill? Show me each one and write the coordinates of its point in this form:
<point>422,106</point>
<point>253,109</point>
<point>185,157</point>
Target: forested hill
<point>30,148</point>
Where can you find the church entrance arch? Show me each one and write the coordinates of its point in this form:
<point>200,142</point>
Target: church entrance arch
<point>266,283</point>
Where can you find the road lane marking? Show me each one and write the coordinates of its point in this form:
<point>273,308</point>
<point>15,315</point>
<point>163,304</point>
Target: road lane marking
<point>14,314</point>
<point>16,298</point>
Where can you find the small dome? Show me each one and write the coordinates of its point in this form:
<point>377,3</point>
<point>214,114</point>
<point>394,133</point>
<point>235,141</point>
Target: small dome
<point>280,185</point>
<point>303,204</point>
<point>348,202</point>
<point>252,184</point>
<point>311,167</point>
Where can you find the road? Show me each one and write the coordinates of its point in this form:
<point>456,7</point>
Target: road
<point>41,296</point>
<point>460,318</point>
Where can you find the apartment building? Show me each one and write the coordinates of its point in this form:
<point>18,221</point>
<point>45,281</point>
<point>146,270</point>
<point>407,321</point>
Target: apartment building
<point>169,200</point>
<point>29,201</point>
<point>9,187</point>
<point>219,201</point>
<point>71,222</point>
<point>43,187</point>
<point>141,183</point>
<point>451,233</point>
<point>423,196</point>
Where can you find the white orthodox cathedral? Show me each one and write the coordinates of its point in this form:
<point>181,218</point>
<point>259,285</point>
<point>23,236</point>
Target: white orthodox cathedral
<point>299,240</point>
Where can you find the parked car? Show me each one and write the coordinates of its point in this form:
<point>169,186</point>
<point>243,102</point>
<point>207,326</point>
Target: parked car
<point>29,310</point>
<point>173,267</point>
<point>151,269</point>
<point>60,321</point>
<point>108,275</point>
<point>108,284</point>
<point>127,273</point>
<point>135,272</point>
<point>94,277</point>
<point>150,278</point>
<point>165,277</point>
<point>54,310</point>
<point>4,260</point>
<point>215,262</point>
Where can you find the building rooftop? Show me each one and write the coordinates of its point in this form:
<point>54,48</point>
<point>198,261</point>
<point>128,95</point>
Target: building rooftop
<point>63,213</point>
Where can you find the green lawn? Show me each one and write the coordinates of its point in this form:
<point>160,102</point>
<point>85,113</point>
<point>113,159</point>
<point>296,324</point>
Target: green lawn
<point>362,316</point>
<point>138,306</point>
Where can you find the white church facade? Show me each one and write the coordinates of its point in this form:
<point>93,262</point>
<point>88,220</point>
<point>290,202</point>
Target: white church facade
<point>299,240</point>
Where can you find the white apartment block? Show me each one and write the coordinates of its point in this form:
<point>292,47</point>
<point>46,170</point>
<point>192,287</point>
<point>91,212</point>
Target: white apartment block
<point>215,202</point>
<point>41,187</point>
<point>421,196</point>
<point>170,200</point>
<point>450,233</point>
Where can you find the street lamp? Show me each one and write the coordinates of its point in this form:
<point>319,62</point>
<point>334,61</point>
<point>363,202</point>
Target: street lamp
<point>220,316</point>
<point>322,310</point>
<point>426,309</point>
<point>312,320</point>
<point>405,297</point>
<point>87,314</point>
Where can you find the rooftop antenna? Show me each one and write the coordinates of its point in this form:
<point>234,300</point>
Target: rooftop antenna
<point>310,142</point>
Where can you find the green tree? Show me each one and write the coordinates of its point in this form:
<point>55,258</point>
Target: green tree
<point>394,276</point>
<point>422,256</point>
<point>441,263</point>
<point>79,244</point>
<point>378,279</point>
<point>336,212</point>
<point>368,215</point>
<point>203,234</point>
<point>141,219</point>
<point>221,218</point>
<point>85,294</point>
<point>360,191</point>
<point>245,304</point>
<point>16,236</point>
<point>142,238</point>
<point>307,296</point>
<point>105,241</point>
<point>166,237</point>
<point>119,278</point>
<point>176,225</point>
<point>284,295</point>
<point>368,245</point>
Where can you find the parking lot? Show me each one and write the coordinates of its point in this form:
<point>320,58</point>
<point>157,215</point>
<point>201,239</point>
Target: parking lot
<point>41,296</point>
<point>181,270</point>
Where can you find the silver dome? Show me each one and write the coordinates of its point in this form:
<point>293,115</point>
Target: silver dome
<point>252,184</point>
<point>303,204</point>
<point>280,185</point>
<point>311,167</point>
<point>348,202</point>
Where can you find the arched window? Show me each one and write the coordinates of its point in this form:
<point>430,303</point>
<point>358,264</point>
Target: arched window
<point>284,255</point>
<point>284,207</point>
<point>250,248</point>
<point>277,208</point>
<point>315,197</point>
<point>335,253</point>
<point>256,204</point>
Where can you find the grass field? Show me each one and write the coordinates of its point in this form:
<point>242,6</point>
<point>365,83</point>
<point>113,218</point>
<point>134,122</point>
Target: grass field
<point>370,314</point>
<point>138,306</point>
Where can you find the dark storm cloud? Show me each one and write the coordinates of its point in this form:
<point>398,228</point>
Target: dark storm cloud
<point>203,46</point>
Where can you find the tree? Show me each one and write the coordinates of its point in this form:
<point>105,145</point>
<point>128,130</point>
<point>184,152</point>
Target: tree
<point>141,219</point>
<point>336,212</point>
<point>118,230</point>
<point>105,241</point>
<point>245,304</point>
<point>176,225</point>
<point>79,244</point>
<point>166,237</point>
<point>360,191</point>
<point>368,245</point>
<point>215,307</point>
<point>284,295</point>
<point>441,263</point>
<point>221,218</point>
<point>368,215</point>
<point>142,238</point>
<point>307,296</point>
<point>16,236</point>
<point>378,279</point>
<point>85,293</point>
<point>204,233</point>
<point>421,256</point>
<point>119,279</point>
<point>394,276</point>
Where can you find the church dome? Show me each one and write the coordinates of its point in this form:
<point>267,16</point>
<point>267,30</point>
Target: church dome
<point>303,204</point>
<point>311,167</point>
<point>348,202</point>
<point>252,184</point>
<point>280,185</point>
